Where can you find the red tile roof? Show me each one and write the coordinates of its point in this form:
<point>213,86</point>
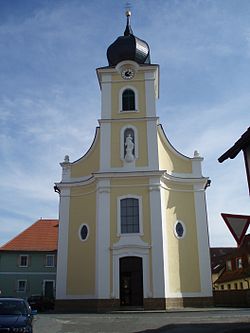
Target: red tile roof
<point>40,236</point>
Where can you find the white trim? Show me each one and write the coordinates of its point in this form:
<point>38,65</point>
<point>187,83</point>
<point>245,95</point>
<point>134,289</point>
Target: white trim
<point>79,232</point>
<point>165,236</point>
<point>128,196</point>
<point>103,239</point>
<point>105,146</point>
<point>150,93</point>
<point>131,87</point>
<point>203,241</point>
<point>130,252</point>
<point>152,145</point>
<point>62,254</point>
<point>156,239</point>
<point>106,105</point>
<point>125,120</point>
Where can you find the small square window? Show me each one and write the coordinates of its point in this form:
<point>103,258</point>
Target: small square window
<point>23,260</point>
<point>50,260</point>
<point>229,265</point>
<point>21,285</point>
<point>239,263</point>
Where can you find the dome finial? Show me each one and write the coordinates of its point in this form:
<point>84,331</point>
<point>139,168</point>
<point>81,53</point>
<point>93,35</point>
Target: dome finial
<point>128,12</point>
<point>128,31</point>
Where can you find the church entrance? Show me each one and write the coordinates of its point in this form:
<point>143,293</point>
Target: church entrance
<point>131,281</point>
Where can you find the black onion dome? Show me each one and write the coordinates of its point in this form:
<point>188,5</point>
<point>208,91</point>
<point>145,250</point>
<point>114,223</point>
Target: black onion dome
<point>128,47</point>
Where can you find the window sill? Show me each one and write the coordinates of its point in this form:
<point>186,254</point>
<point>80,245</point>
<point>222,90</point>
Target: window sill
<point>128,111</point>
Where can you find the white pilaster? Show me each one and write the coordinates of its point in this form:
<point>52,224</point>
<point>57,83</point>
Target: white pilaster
<point>103,239</point>
<point>165,240</point>
<point>62,253</point>
<point>153,158</point>
<point>157,239</point>
<point>106,96</point>
<point>150,93</point>
<point>203,241</point>
<point>105,149</point>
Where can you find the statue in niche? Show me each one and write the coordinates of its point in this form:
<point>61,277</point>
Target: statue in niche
<point>129,148</point>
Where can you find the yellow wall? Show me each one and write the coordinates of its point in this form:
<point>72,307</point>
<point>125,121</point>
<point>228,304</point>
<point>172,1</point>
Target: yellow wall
<point>183,255</point>
<point>81,262</point>
<point>90,162</point>
<point>170,161</point>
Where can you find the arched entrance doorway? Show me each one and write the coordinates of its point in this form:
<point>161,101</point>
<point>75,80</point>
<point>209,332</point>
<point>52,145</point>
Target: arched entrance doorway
<point>131,281</point>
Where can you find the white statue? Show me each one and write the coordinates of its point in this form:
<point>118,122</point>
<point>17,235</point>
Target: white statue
<point>129,157</point>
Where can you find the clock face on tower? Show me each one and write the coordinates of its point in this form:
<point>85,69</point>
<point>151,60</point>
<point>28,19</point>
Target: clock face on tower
<point>127,73</point>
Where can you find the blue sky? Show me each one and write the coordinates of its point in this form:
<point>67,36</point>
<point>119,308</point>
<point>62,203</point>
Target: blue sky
<point>50,98</point>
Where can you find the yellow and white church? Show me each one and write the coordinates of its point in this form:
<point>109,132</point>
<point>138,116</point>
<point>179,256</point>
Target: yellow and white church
<point>133,227</point>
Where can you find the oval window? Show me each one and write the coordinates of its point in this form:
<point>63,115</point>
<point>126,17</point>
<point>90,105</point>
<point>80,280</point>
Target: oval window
<point>179,229</point>
<point>84,231</point>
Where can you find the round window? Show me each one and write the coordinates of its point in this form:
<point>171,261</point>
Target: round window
<point>179,229</point>
<point>84,232</point>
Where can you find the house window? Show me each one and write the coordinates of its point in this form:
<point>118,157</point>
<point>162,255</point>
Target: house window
<point>239,263</point>
<point>229,265</point>
<point>236,285</point>
<point>129,210</point>
<point>21,285</point>
<point>50,260</point>
<point>222,287</point>
<point>128,100</point>
<point>23,260</point>
<point>229,286</point>
<point>241,285</point>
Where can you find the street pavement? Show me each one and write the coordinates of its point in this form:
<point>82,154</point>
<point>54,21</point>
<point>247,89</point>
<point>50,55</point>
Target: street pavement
<point>188,321</point>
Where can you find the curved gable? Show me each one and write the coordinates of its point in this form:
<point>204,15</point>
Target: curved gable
<point>169,158</point>
<point>90,162</point>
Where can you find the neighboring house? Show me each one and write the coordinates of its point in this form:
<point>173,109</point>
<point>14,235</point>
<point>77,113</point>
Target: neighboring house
<point>28,261</point>
<point>133,222</point>
<point>218,255</point>
<point>235,272</point>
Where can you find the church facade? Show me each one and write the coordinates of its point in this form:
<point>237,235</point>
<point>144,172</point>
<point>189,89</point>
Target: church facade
<point>133,222</point>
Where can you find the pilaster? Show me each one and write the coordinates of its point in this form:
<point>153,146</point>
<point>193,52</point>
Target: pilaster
<point>62,253</point>
<point>103,239</point>
<point>156,239</point>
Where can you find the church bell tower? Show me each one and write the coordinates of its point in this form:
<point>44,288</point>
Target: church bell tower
<point>133,224</point>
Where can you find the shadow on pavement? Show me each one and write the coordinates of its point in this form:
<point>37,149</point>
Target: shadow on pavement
<point>202,328</point>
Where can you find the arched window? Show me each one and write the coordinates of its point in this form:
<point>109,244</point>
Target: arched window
<point>129,210</point>
<point>128,100</point>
